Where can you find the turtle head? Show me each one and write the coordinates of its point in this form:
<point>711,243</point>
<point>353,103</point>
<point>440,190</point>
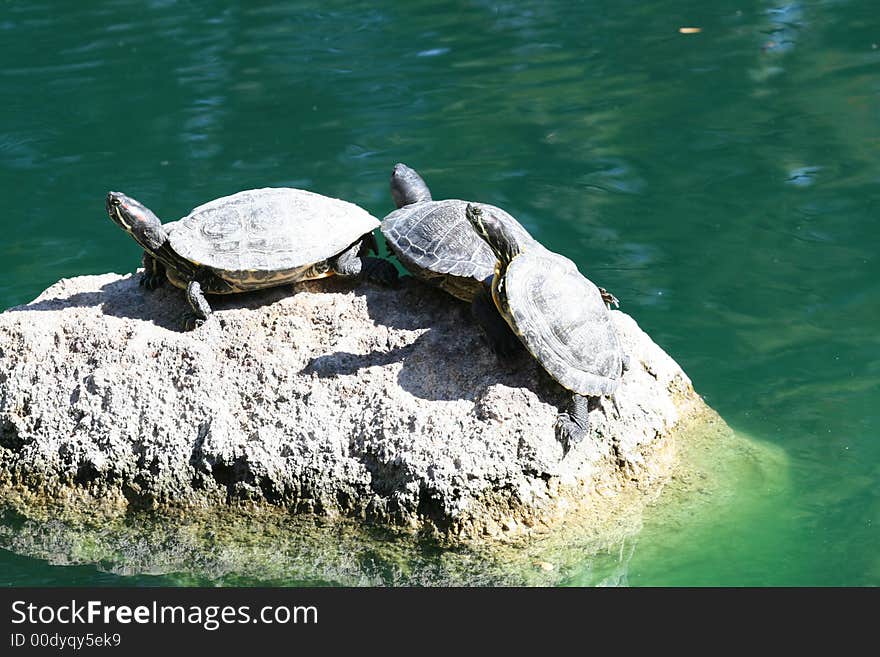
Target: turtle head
<point>136,219</point>
<point>407,186</point>
<point>494,230</point>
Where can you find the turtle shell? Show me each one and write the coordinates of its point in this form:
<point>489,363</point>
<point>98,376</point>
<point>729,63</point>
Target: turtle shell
<point>434,237</point>
<point>561,319</point>
<point>269,230</point>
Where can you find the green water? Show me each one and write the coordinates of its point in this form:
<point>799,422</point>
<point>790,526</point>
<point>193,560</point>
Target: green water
<point>724,185</point>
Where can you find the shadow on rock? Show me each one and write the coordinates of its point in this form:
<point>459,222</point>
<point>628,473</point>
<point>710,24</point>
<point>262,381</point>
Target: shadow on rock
<point>165,306</point>
<point>439,366</point>
<point>411,306</point>
<point>343,363</point>
<point>451,360</point>
<point>421,374</point>
<point>121,298</point>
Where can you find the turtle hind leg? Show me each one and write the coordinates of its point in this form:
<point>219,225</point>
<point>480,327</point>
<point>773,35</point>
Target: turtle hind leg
<point>573,425</point>
<point>154,272</point>
<point>502,340</point>
<point>609,299</point>
<point>200,309</point>
<point>354,264</point>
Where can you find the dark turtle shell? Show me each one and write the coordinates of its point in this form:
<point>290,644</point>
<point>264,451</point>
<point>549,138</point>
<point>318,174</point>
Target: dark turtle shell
<point>434,240</point>
<point>560,317</point>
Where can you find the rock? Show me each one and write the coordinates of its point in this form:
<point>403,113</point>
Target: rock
<point>326,398</point>
<point>719,474</point>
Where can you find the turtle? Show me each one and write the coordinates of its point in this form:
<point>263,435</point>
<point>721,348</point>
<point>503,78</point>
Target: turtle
<point>251,240</point>
<point>435,243</point>
<point>559,315</point>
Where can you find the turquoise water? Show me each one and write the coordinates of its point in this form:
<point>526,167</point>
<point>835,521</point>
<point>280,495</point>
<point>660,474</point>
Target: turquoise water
<point>725,185</point>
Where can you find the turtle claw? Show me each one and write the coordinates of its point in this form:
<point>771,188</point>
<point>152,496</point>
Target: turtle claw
<point>153,274</point>
<point>151,281</point>
<point>191,321</point>
<point>568,432</point>
<point>609,299</point>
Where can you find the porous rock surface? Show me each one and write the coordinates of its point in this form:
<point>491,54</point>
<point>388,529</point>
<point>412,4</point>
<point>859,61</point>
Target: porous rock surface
<point>326,397</point>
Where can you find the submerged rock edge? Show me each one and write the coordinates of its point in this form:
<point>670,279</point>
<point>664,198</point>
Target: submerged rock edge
<point>717,473</point>
<point>522,485</point>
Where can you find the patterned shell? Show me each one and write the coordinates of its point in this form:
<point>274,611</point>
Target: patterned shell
<point>563,322</point>
<point>436,236</point>
<point>269,229</point>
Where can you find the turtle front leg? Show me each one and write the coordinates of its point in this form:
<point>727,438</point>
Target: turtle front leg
<point>154,272</point>
<point>573,425</point>
<point>502,340</point>
<point>353,264</point>
<point>201,310</point>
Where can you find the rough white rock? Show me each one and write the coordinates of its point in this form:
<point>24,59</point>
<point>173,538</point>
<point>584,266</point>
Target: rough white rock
<point>325,397</point>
